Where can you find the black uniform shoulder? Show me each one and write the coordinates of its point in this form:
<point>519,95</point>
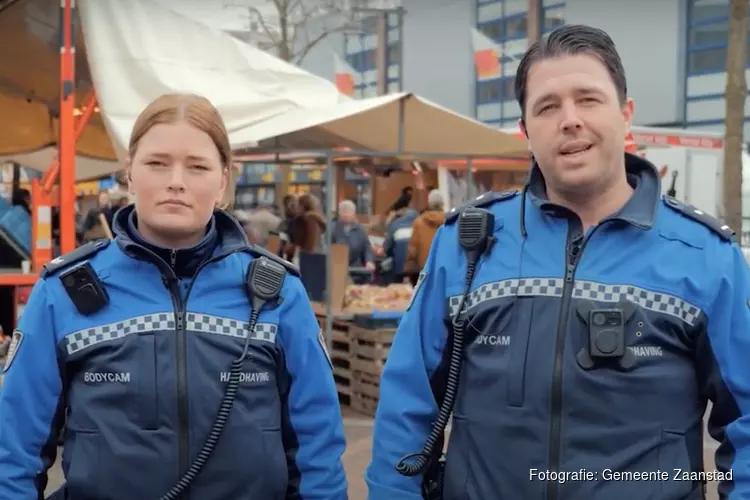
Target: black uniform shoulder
<point>481,201</point>
<point>78,255</point>
<point>258,252</point>
<point>715,225</point>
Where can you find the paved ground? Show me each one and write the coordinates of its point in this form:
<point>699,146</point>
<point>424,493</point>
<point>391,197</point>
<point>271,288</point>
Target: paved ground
<point>359,435</point>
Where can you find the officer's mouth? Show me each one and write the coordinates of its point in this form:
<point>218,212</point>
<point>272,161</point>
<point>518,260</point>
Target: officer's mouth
<point>174,203</point>
<point>577,150</point>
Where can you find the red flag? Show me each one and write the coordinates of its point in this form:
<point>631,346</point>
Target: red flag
<point>343,76</point>
<point>486,55</point>
<point>487,63</point>
<point>345,83</point>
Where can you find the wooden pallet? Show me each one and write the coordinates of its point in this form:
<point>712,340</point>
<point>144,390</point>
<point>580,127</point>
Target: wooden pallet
<point>341,357</point>
<point>364,404</point>
<point>370,349</point>
<point>358,356</point>
<point>366,384</point>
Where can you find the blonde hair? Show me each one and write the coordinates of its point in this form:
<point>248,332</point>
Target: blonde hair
<point>198,112</point>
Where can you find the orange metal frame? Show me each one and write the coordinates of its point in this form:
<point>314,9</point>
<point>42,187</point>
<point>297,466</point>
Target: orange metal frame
<point>63,166</point>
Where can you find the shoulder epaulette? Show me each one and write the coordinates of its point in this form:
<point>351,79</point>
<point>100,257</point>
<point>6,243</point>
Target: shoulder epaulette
<point>482,200</point>
<point>79,254</point>
<point>257,251</point>
<point>725,232</point>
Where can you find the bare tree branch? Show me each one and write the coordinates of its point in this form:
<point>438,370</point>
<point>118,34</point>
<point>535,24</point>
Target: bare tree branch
<point>293,35</point>
<point>269,32</point>
<point>305,50</point>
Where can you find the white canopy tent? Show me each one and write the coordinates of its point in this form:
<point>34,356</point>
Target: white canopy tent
<point>139,49</point>
<point>134,51</point>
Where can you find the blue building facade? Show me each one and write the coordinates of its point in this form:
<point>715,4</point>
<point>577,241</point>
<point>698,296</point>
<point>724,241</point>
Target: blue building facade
<point>674,53</point>
<point>505,22</point>
<point>360,50</point>
<point>706,63</point>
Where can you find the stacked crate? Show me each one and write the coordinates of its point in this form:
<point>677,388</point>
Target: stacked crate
<point>341,356</point>
<point>359,349</point>
<point>371,338</point>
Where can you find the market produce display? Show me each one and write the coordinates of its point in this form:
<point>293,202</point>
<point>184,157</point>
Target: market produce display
<point>369,297</point>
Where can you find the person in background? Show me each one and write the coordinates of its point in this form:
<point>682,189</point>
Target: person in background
<point>107,206</point>
<point>423,232</point>
<point>306,230</point>
<point>402,202</point>
<point>252,230</point>
<point>348,231</point>
<point>264,222</point>
<point>290,210</point>
<point>396,243</point>
<point>22,198</point>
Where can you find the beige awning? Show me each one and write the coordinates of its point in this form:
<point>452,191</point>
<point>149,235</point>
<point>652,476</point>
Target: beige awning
<point>373,125</point>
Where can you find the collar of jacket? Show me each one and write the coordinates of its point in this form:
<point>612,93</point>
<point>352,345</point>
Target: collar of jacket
<point>223,235</point>
<point>639,210</point>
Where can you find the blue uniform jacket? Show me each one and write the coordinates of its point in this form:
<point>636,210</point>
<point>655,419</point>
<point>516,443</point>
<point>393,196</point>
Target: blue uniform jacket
<point>143,377</point>
<point>526,405</point>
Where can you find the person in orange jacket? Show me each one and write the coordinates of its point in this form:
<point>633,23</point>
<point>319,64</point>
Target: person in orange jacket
<point>423,231</point>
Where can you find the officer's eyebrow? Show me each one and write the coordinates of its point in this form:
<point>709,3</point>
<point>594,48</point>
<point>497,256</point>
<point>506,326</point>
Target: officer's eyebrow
<point>588,90</point>
<point>164,156</point>
<point>581,91</point>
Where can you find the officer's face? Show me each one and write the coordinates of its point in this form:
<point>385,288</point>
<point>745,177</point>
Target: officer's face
<point>177,177</point>
<point>575,122</point>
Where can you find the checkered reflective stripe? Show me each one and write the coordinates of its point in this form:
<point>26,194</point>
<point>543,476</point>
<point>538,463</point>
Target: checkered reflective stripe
<point>586,290</point>
<point>525,287</point>
<point>83,339</point>
<point>229,327</point>
<point>653,301</point>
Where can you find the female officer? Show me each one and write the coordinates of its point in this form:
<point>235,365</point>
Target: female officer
<point>135,340</point>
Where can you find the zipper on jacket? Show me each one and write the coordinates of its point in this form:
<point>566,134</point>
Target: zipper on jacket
<point>179,303</point>
<point>183,424</point>
<point>574,245</point>
<point>183,410</point>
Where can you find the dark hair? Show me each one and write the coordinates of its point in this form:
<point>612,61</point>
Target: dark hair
<point>308,203</point>
<point>569,40</point>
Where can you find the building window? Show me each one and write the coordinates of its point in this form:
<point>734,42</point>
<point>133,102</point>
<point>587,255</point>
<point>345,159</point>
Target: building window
<point>488,92</point>
<point>369,25</point>
<point>701,10</point>
<point>394,53</point>
<point>509,90</point>
<point>516,27</point>
<point>393,20</point>
<point>493,30</point>
<point>709,34</point>
<point>354,61</point>
<point>369,60</point>
<point>554,17</point>
<point>711,60</point>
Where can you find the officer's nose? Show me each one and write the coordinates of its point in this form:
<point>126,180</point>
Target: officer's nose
<point>177,178</point>
<point>571,121</point>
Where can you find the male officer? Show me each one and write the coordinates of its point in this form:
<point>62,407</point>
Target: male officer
<point>599,323</point>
